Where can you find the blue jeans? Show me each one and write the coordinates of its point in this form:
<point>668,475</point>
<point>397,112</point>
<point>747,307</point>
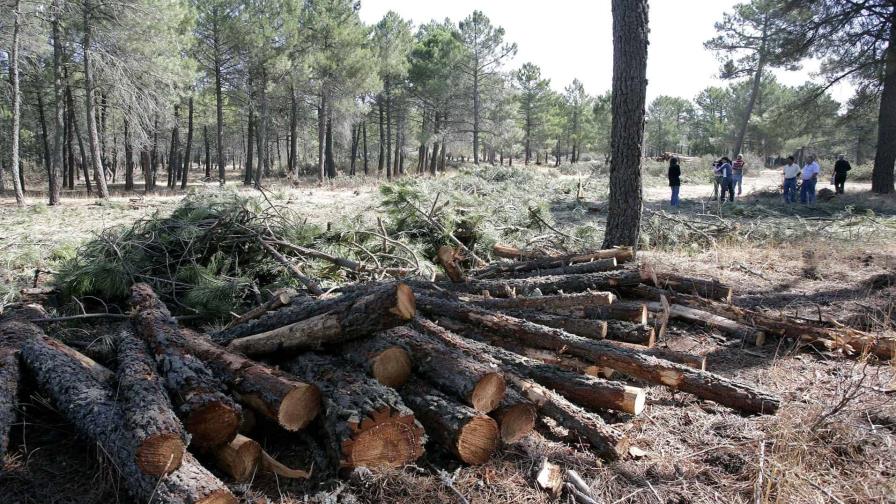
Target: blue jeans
<point>675,190</point>
<point>790,190</point>
<point>727,186</point>
<point>807,192</point>
<point>738,181</point>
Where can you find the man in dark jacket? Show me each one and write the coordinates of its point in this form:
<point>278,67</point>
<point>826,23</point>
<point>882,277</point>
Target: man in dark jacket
<point>840,168</point>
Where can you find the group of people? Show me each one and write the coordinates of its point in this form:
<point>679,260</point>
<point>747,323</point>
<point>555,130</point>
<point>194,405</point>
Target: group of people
<point>728,175</point>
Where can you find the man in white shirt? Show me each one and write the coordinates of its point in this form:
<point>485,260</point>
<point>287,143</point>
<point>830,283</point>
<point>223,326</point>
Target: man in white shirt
<point>810,178</point>
<point>791,172</point>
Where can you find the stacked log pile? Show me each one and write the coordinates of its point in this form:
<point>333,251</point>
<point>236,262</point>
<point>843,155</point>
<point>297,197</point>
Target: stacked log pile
<point>379,370</point>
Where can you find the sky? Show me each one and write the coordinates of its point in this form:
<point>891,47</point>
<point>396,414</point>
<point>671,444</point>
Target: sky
<point>573,39</point>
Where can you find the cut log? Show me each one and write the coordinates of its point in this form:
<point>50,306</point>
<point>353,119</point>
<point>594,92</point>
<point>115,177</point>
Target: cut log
<point>367,424</point>
<point>594,329</point>
<point>276,395</point>
<point>545,284</point>
<point>629,332</point>
<point>684,358</point>
<point>709,320</point>
<point>161,440</point>
<point>626,311</point>
<point>349,321</point>
<point>847,339</point>
<point>595,266</point>
<point>587,391</point>
<point>243,457</point>
<point>279,299</point>
<point>302,308</point>
<point>607,441</point>
<point>711,289</point>
<point>539,260</point>
<point>516,416</point>
<point>468,434</point>
<point>210,416</point>
<point>705,385</point>
<point>386,362</point>
<point>448,259</point>
<point>553,303</point>
<point>468,380</point>
<point>9,381</point>
<point>72,388</point>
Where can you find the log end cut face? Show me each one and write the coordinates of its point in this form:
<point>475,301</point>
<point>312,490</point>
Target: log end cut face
<point>160,454</point>
<point>239,458</point>
<point>221,496</point>
<point>405,302</point>
<point>213,424</point>
<point>488,392</point>
<point>635,399</point>
<point>391,367</point>
<point>386,439</point>
<point>299,407</point>
<point>517,421</point>
<point>477,440</point>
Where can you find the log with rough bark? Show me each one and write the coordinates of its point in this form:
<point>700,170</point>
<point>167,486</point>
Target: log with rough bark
<point>364,316</point>
<point>448,259</point>
<point>90,407</point>
<point>553,303</point>
<point>537,260</point>
<point>516,416</point>
<point>210,416</point>
<point>10,342</point>
<point>367,423</point>
<point>628,311</point>
<point>710,289</point>
<point>285,400</point>
<point>386,362</point>
<point>630,332</point>
<point>545,284</point>
<point>465,432</point>
<point>709,320</point>
<point>468,380</point>
<point>279,299</point>
<point>705,385</point>
<point>303,308</point>
<point>850,340</point>
<point>161,439</point>
<point>588,328</point>
<point>595,266</point>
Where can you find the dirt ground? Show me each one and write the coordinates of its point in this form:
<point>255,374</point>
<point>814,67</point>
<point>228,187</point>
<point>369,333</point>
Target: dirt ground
<point>834,439</point>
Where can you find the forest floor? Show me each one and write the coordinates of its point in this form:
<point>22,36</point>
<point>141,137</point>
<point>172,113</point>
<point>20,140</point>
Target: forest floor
<point>834,439</point>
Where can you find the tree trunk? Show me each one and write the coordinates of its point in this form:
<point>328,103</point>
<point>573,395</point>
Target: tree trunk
<point>629,90</point>
<point>710,289</point>
<point>45,142</point>
<point>208,154</point>
<point>161,439</point>
<point>547,284</point>
<point>293,132</point>
<point>435,145</point>
<point>189,148</point>
<point>77,133</point>
<point>321,136</point>
<point>388,131</point>
<point>17,184</point>
<point>128,158</point>
<point>219,106</point>
<point>465,379</point>
<point>551,303</point>
<point>70,386</point>
<point>392,295</point>
<point>146,164</point>
<point>586,328</point>
<point>754,93</point>
<point>174,150</point>
<point>382,156</point>
<point>885,158</point>
<point>361,416</point>
<point>261,129</point>
<point>468,434</point>
<point>290,403</point>
<point>596,266</point>
<point>539,260</point>
<point>364,132</point>
<point>56,160</point>
<point>248,176</point>
<point>476,106</point>
<point>383,309</point>
<point>96,156</point>
<point>705,385</point>
<point>328,154</point>
<point>209,415</point>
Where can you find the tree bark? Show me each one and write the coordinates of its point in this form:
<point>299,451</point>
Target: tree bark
<point>188,158</point>
<point>174,150</point>
<point>52,179</point>
<point>283,399</point>
<point>10,343</point>
<point>209,415</point>
<point>364,132</point>
<point>128,158</point>
<point>208,153</point>
<point>710,289</point>
<point>248,177</point>
<point>386,362</point>
<point>96,157</point>
<point>629,91</point>
<point>547,284</point>
<point>592,329</point>
<point>704,385</point>
<point>361,416</point>
<point>378,311</point>
<point>161,439</point>
<point>321,135</point>
<point>539,260</point>
<point>885,158</point>
<point>552,303</point>
<point>468,434</point>
<point>76,131</point>
<point>328,153</point>
<point>56,160</point>
<point>388,131</point>
<point>17,184</point>
<point>754,93</point>
<point>573,269</point>
<point>293,132</point>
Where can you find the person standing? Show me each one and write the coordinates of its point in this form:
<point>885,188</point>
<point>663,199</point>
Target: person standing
<point>674,179</point>
<point>840,168</point>
<point>716,180</point>
<point>738,169</point>
<point>810,178</point>
<point>791,172</point>
<point>727,172</point>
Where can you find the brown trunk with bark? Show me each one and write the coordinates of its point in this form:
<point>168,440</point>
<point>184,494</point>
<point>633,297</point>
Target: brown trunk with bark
<point>367,424</point>
<point>386,362</point>
<point>96,156</point>
<point>188,149</point>
<point>534,260</point>
<point>885,158</point>
<point>545,284</point>
<point>210,416</point>
<point>593,329</point>
<point>705,385</point>
<point>17,183</point>
<point>710,289</point>
<point>596,266</point>
<point>558,302</point>
<point>470,435</point>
